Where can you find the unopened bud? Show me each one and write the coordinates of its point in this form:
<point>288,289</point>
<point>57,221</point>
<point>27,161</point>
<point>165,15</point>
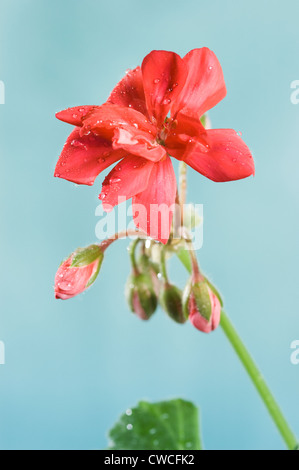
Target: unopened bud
<point>141,296</point>
<point>202,306</point>
<point>147,266</point>
<point>171,301</point>
<point>78,272</point>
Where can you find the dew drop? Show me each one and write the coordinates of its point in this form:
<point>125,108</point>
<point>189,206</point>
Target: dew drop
<point>167,101</point>
<point>159,276</point>
<point>235,160</point>
<point>153,431</point>
<point>156,442</point>
<point>135,125</point>
<point>239,134</point>
<point>114,180</point>
<point>129,412</point>
<point>129,427</point>
<point>78,144</point>
<point>211,67</point>
<point>157,81</point>
<point>75,116</point>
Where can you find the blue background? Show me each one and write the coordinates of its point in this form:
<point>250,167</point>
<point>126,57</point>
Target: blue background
<point>73,367</point>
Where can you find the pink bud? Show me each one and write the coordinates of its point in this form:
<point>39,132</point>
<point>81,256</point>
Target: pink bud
<point>72,280</point>
<point>198,320</point>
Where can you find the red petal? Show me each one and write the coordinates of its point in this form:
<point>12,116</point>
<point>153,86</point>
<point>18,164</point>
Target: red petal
<point>181,132</point>
<point>204,86</point>
<point>104,120</point>
<point>153,208</point>
<point>227,157</point>
<point>129,92</point>
<point>83,158</point>
<point>128,178</point>
<point>75,115</point>
<point>138,143</point>
<point>164,75</point>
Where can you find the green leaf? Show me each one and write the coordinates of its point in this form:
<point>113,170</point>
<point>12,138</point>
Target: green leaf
<point>168,425</point>
<point>85,256</point>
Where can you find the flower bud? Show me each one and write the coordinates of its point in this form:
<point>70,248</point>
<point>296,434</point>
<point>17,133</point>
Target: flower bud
<point>202,306</point>
<point>147,266</point>
<point>141,296</point>
<point>171,301</point>
<point>78,272</point>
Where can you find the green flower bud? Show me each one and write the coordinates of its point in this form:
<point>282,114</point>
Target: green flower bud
<point>171,301</point>
<point>141,296</point>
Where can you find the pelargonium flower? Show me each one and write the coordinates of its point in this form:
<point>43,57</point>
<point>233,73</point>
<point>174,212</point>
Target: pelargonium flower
<point>153,113</point>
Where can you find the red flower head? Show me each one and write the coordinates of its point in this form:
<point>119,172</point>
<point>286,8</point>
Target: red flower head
<point>152,114</point>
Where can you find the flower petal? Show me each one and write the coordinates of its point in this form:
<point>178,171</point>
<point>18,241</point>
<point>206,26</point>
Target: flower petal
<point>225,157</point>
<point>181,132</point>
<point>164,74</point>
<point>105,119</point>
<point>128,178</point>
<point>75,115</point>
<point>129,92</point>
<point>83,158</point>
<point>204,86</point>
<point>138,143</point>
<point>153,208</point>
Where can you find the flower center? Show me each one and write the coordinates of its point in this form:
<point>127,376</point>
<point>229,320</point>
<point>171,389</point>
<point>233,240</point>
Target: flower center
<point>165,129</point>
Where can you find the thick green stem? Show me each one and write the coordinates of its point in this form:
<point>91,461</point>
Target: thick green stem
<point>259,382</point>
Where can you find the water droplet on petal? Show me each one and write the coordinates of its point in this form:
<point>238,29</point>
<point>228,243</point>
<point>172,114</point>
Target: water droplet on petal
<point>157,81</point>
<point>211,67</point>
<point>114,180</point>
<point>167,101</point>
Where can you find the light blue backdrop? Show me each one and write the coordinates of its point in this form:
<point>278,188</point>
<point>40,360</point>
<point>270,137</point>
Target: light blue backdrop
<point>73,367</point>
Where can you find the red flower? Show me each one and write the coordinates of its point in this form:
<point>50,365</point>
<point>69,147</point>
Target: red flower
<point>154,112</point>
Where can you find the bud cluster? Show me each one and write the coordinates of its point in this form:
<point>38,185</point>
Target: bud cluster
<point>148,285</point>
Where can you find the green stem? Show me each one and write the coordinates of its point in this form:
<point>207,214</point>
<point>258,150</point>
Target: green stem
<point>163,266</point>
<point>254,373</point>
<point>259,382</point>
<point>132,251</point>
